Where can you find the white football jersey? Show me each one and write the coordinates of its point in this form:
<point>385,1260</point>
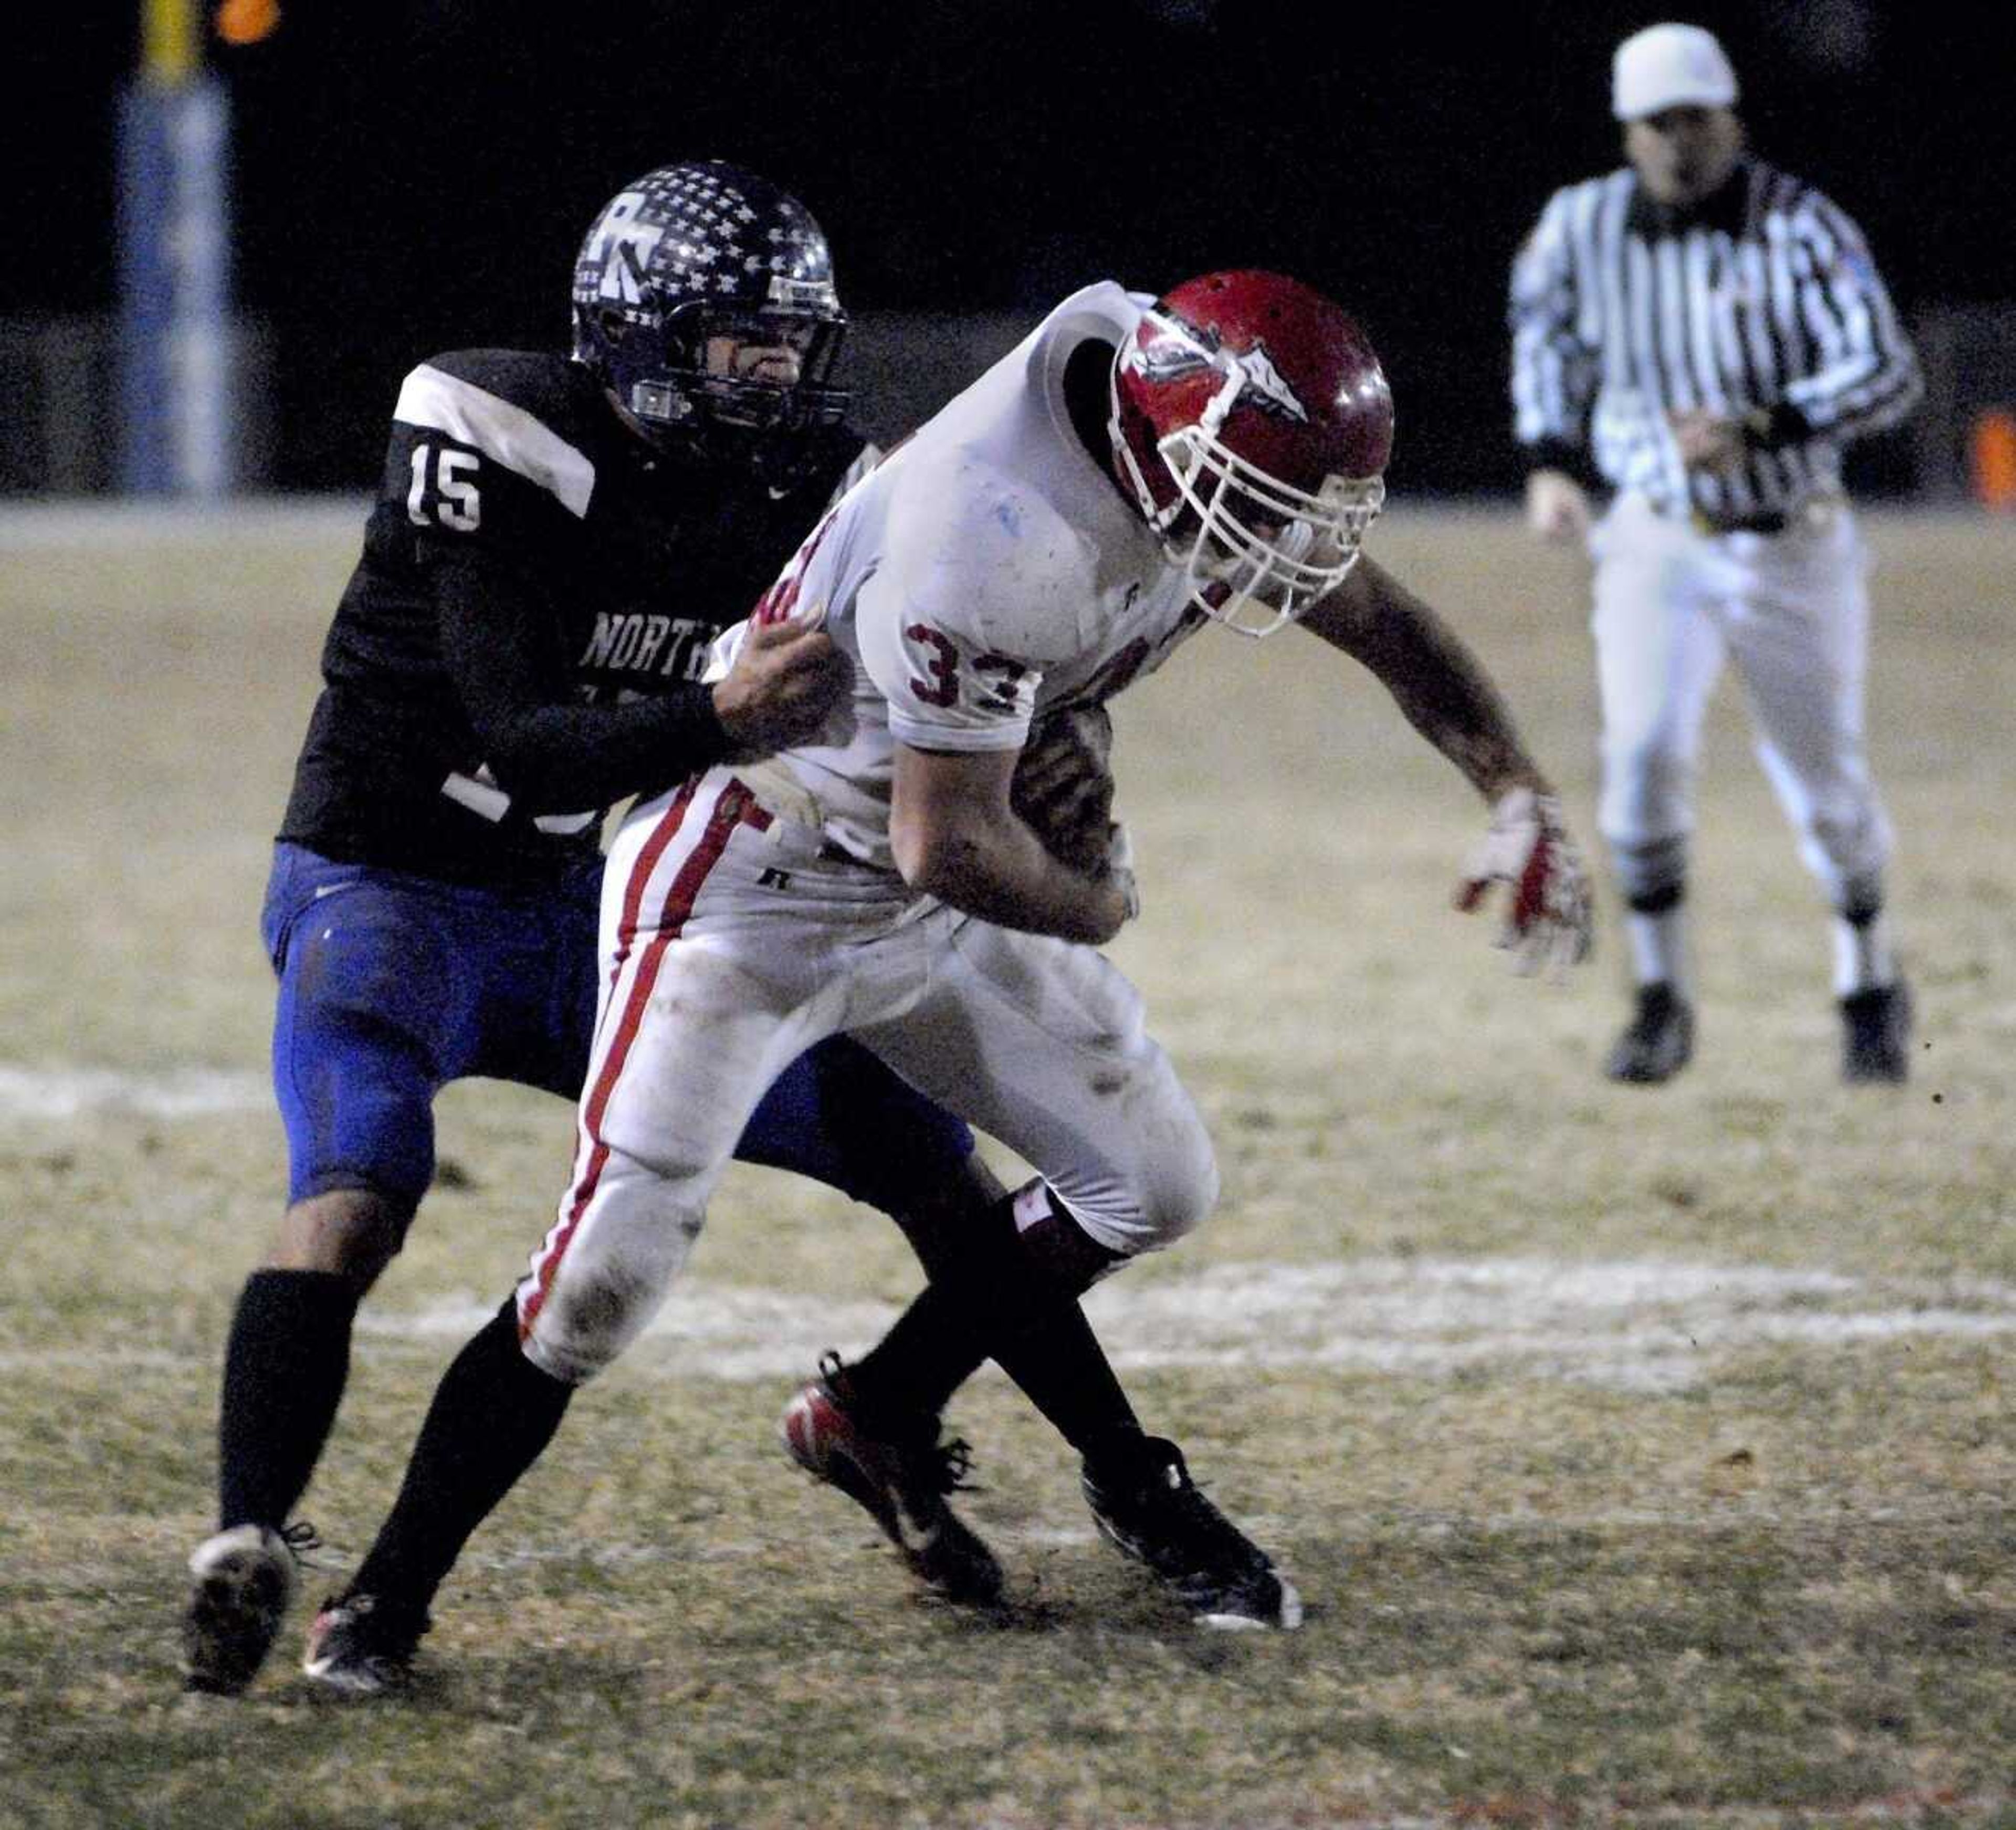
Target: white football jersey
<point>986,572</point>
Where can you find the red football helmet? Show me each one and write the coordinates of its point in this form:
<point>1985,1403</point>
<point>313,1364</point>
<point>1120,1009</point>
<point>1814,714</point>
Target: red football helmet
<point>1253,421</point>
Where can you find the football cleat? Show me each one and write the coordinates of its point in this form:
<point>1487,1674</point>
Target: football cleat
<point>1658,1041</point>
<point>244,1580</point>
<point>899,1473</point>
<point>1151,1510</point>
<point>1876,1036</point>
<point>363,1645</point>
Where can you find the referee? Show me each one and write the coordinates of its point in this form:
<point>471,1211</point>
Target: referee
<point>1700,334</point>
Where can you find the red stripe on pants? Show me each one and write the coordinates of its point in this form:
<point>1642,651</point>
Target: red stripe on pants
<point>730,810</point>
<point>653,849</point>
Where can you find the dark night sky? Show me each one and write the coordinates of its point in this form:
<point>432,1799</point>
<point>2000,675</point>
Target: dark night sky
<point>414,177</point>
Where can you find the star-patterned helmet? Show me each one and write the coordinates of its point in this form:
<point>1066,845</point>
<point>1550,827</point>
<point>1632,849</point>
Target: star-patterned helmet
<point>691,253</point>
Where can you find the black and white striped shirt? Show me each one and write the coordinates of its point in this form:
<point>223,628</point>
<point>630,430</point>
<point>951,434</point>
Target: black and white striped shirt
<point>1761,303</point>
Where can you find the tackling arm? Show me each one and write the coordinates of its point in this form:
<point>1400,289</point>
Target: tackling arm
<point>956,836</point>
<point>501,644</point>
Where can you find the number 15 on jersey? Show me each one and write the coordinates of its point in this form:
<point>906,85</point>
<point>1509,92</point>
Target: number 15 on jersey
<point>444,494</point>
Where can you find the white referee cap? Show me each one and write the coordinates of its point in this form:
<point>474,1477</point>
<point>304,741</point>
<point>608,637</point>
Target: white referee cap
<point>1669,66</point>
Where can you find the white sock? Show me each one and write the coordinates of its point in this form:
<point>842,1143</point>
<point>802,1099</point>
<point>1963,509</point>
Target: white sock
<point>1659,946</point>
<point>1862,959</point>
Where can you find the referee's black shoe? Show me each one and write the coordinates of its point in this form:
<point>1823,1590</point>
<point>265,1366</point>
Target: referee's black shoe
<point>1876,1036</point>
<point>1657,1042</point>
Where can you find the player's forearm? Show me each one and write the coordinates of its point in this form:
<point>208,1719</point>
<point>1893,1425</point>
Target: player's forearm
<point>554,758</point>
<point>991,865</point>
<point>1439,685</point>
<point>501,642</point>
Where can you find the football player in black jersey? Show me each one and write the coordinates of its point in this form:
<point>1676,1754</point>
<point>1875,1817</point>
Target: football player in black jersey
<point>556,543</point>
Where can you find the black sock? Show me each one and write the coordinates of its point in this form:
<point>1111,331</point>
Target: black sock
<point>931,1351</point>
<point>1060,1365</point>
<point>284,1368</point>
<point>991,1300</point>
<point>492,1414</point>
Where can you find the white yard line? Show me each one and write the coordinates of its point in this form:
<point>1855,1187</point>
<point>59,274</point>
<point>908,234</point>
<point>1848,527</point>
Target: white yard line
<point>1647,1326</point>
<point>1638,1325</point>
<point>60,1092</point>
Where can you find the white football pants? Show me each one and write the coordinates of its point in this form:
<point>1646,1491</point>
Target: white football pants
<point>731,944</point>
<point>1792,610</point>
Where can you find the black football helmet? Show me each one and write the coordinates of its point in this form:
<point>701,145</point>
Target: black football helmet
<point>700,250</point>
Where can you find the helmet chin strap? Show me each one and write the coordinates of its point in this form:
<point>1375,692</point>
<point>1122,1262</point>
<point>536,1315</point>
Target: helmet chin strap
<point>658,403</point>
<point>777,454</point>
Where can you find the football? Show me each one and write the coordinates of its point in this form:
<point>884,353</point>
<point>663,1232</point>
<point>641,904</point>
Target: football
<point>1063,786</point>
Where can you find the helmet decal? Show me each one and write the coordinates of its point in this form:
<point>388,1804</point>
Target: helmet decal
<point>1263,380</point>
<point>622,246</point>
<point>1189,349</point>
<point>690,253</point>
<point>801,295</point>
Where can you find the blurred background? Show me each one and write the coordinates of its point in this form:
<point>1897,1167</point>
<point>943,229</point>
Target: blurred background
<point>235,225</point>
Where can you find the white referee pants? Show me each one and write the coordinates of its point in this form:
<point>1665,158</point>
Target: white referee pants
<point>730,946</point>
<point>1792,610</point>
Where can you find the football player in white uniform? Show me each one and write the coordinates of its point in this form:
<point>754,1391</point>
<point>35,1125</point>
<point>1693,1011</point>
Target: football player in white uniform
<point>1132,471</point>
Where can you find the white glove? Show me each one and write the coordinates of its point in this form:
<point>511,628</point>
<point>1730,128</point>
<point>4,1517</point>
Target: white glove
<point>1549,921</point>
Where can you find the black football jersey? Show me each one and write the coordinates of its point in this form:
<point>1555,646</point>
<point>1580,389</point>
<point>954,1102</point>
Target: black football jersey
<point>529,558</point>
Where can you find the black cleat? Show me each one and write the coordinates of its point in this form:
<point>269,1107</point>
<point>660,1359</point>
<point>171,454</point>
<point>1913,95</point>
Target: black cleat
<point>244,1580</point>
<point>1876,1036</point>
<point>1151,1509</point>
<point>899,1473</point>
<point>363,1644</point>
<point>1659,1040</point>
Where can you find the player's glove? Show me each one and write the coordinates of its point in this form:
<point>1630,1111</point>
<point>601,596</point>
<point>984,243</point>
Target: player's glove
<point>1549,922</point>
<point>1063,786</point>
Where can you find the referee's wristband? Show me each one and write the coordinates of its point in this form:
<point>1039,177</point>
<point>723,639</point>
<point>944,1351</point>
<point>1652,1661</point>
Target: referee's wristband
<point>1571,460</point>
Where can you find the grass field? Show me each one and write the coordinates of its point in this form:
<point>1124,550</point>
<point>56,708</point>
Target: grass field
<point>1643,1457</point>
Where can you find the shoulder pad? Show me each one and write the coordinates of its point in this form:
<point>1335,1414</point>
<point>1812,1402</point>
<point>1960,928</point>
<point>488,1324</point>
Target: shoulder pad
<point>520,410</point>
